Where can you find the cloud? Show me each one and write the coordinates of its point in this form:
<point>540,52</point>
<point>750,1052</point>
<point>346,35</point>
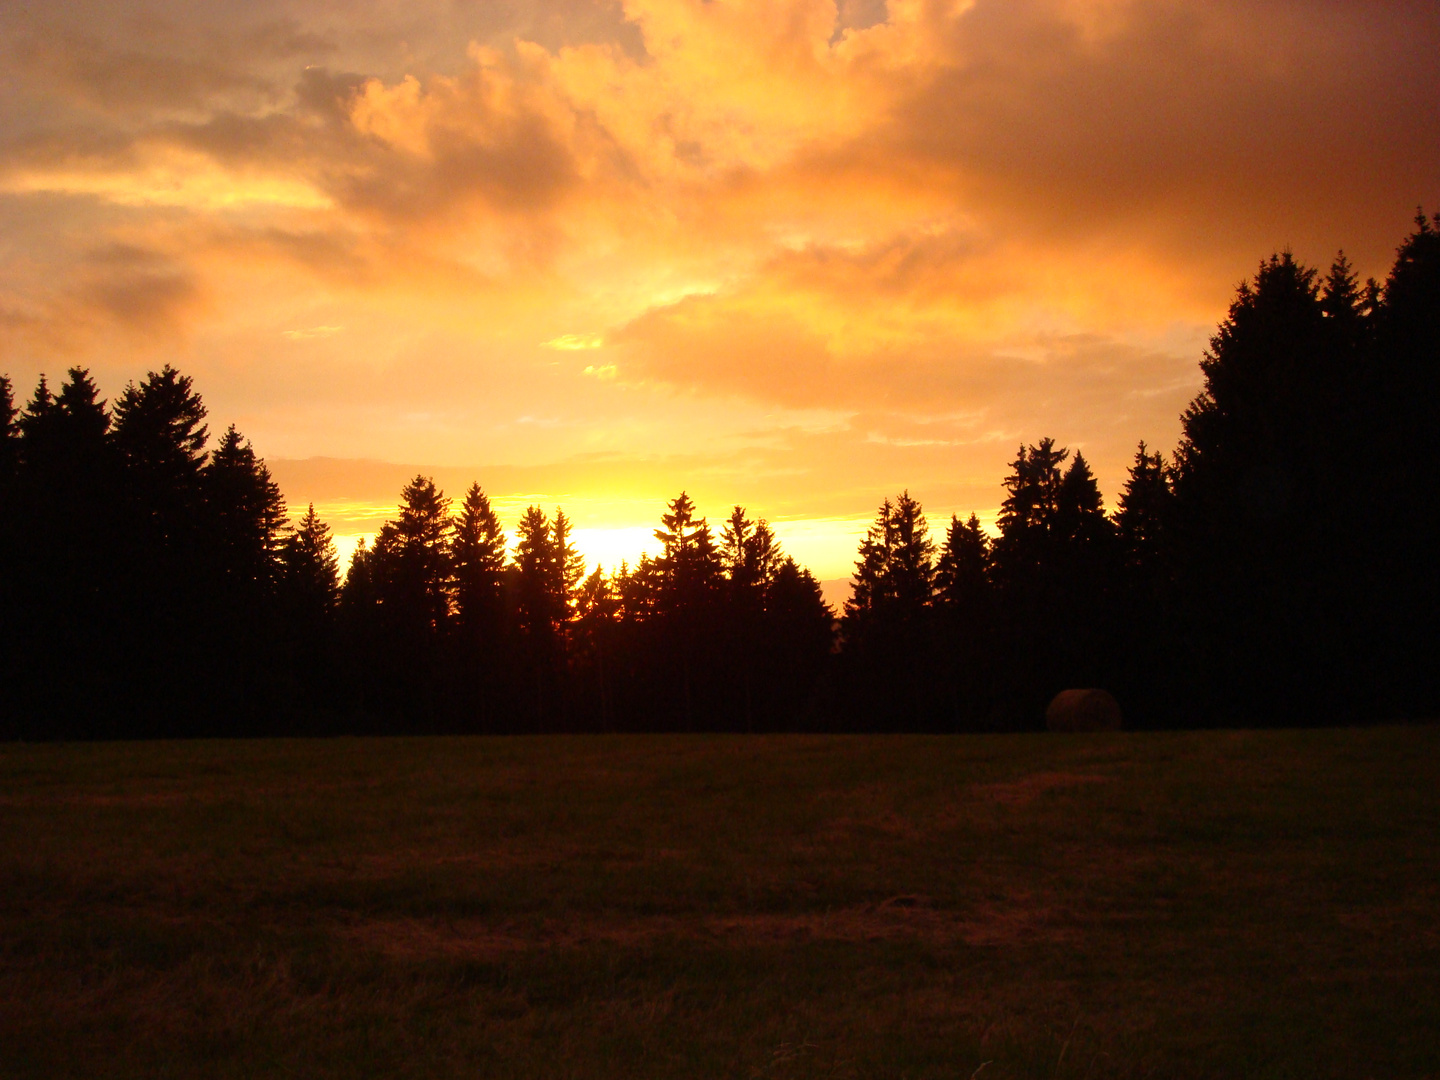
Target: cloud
<point>138,289</point>
<point>311,333</point>
<point>809,250</point>
<point>572,342</point>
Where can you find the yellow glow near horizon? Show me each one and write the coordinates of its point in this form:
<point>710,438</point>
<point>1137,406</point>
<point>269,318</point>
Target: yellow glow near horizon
<point>795,254</point>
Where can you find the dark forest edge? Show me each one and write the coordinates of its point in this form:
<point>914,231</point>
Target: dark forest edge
<point>1279,567</point>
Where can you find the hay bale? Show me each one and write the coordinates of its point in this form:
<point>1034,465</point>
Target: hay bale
<point>1083,710</point>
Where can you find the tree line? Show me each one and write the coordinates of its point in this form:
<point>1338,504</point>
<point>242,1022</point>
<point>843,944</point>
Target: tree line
<point>1278,567</point>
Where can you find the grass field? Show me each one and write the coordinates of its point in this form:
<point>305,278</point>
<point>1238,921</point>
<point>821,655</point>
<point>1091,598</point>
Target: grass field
<point>1256,904</point>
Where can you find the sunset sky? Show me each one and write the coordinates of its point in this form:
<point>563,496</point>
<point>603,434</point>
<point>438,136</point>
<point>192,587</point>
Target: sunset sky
<point>775,252</point>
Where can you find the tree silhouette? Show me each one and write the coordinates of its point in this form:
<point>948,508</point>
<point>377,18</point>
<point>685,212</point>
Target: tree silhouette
<point>410,561</point>
<point>689,564</point>
<point>539,604</point>
<point>889,647</point>
<point>161,439</point>
<point>1402,591</point>
<point>246,514</point>
<point>1144,512</point>
<point>567,568</point>
<point>396,611</point>
<point>962,572</point>
<point>893,578</point>
<point>309,570</point>
<point>478,553</point>
<point>1028,516</point>
<point>9,439</point>
<point>1251,488</point>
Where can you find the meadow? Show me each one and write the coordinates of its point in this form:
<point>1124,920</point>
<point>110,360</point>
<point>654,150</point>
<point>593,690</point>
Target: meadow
<point>1200,904</point>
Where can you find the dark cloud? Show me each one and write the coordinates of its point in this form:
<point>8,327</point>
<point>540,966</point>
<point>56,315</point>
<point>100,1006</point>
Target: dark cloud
<point>138,289</point>
<point>108,79</point>
<point>1185,118</point>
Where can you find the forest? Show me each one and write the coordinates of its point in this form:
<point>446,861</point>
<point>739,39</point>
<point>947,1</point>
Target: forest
<point>1277,568</point>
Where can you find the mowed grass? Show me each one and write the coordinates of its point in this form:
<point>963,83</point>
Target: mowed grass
<point>1220,904</point>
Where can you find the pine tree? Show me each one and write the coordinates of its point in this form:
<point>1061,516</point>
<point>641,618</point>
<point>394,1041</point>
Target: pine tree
<point>307,632</point>
<point>689,564</point>
<point>567,567</point>
<point>1028,515</point>
<point>1400,486</point>
<point>597,608</point>
<point>965,623</point>
<point>159,430</point>
<point>245,514</point>
<point>911,559</point>
<point>310,569</point>
<point>749,558</point>
<point>894,575</point>
<point>9,439</point>
<point>1254,496</point>
<point>869,583</point>
<point>411,559</point>
<point>596,599</point>
<point>887,628</point>
<point>534,568</point>
<point>962,571</point>
<point>1144,511</point>
<point>478,551</point>
<point>798,633</point>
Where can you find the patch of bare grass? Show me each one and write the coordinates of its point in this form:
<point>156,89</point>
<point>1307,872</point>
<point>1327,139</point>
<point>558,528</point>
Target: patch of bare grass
<point>1027,789</point>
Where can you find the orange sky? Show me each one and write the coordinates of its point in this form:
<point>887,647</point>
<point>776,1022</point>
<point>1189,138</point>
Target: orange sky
<point>776,252</point>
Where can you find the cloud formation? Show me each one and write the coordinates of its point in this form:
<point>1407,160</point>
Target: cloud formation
<point>866,241</point>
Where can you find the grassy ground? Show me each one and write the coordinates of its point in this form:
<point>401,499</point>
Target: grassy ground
<point>1261,904</point>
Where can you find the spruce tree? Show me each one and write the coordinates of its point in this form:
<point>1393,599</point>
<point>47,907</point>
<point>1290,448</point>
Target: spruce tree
<point>9,439</point>
<point>534,564</point>
<point>911,568</point>
<point>245,515</point>
<point>889,645</point>
<point>478,553</point>
<point>689,564</point>
<point>962,571</point>
<point>566,570</point>
<point>1028,516</point>
<point>161,437</point>
<point>1254,500</point>
<point>310,570</point>
<point>1142,519</point>
<point>870,580</point>
<point>1401,593</point>
<point>411,559</point>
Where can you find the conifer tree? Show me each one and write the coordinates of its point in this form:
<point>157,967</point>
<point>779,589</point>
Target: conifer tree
<point>1028,514</point>
<point>894,575</point>
<point>478,551</point>
<point>1079,507</point>
<point>689,564</point>
<point>1401,592</point>
<point>566,570</point>
<point>962,571</point>
<point>534,565</point>
<point>597,607</point>
<point>869,583</point>
<point>1144,510</point>
<point>309,568</point>
<point>410,561</point>
<point>245,513</point>
<point>911,559</point>
<point>9,438</point>
<point>596,600</point>
<point>159,430</point>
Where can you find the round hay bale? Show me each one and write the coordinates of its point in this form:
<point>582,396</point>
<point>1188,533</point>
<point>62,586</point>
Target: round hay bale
<point>1083,710</point>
